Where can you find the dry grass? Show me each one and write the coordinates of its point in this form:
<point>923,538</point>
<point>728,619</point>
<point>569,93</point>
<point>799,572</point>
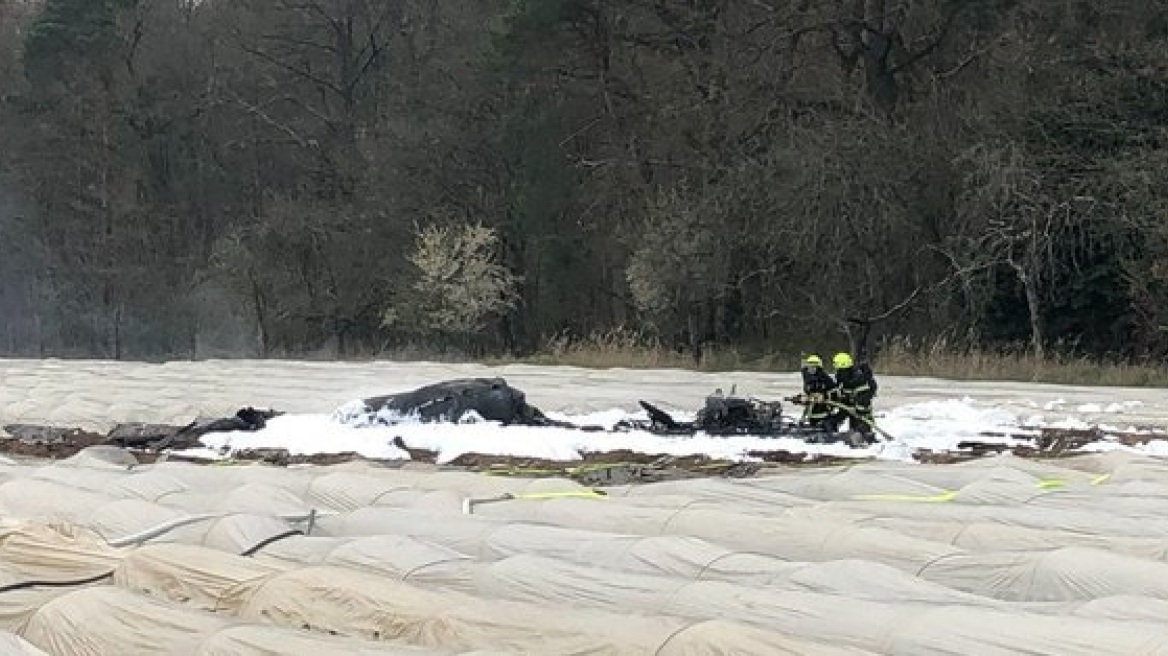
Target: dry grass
<point>631,349</point>
<point>619,347</point>
<point>942,360</point>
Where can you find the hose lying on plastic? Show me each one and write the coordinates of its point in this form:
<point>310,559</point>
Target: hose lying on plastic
<point>55,584</point>
<point>148,534</point>
<point>161,529</point>
<point>166,527</point>
<point>250,551</point>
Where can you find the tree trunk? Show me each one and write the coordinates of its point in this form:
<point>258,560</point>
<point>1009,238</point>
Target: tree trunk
<point>340,333</point>
<point>695,339</point>
<point>117,330</point>
<point>257,298</point>
<point>1030,287</point>
<point>192,326</point>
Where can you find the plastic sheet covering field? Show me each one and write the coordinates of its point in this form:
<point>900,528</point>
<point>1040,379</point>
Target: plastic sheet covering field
<point>997,556</point>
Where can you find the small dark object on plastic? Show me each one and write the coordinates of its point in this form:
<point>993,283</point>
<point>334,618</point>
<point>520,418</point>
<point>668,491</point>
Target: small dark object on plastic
<point>161,436</point>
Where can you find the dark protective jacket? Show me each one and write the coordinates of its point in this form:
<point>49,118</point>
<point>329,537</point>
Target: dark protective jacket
<point>857,386</point>
<point>816,382</point>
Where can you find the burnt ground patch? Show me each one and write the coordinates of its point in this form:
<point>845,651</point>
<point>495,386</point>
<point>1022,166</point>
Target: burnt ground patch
<point>595,468</point>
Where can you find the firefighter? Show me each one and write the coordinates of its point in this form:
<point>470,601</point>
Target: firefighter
<point>853,394</point>
<point>817,384</point>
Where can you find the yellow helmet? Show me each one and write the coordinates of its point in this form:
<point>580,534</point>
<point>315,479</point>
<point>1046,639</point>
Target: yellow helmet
<point>842,361</point>
<point>813,361</point>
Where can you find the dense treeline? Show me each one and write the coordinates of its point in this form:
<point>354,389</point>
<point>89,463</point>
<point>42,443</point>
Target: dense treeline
<point>182,177</point>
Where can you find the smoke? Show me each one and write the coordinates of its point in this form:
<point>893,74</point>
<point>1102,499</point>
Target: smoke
<point>225,327</point>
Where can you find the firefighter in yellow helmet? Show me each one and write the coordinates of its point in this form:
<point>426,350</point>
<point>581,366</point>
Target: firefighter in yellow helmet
<point>817,384</point>
<point>855,389</point>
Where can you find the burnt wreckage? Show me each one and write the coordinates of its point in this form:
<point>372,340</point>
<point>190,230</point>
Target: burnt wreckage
<point>493,399</point>
<point>725,415</point>
<point>451,401</point>
<point>454,401</point>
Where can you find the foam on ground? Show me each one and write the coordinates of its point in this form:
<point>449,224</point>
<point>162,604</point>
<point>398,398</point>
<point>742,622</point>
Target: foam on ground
<point>918,412</point>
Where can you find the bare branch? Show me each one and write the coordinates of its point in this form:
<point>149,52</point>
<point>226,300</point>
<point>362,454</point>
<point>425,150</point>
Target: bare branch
<point>965,62</point>
<point>895,308</point>
<point>933,43</point>
<point>302,72</point>
<point>306,43</point>
<point>266,118</point>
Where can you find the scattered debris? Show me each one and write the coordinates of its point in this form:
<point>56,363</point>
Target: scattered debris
<point>324,459</point>
<point>416,454</point>
<point>1129,438</point>
<point>931,457</point>
<point>983,448</point>
<point>1057,441</point>
<point>152,436</point>
<point>53,442</point>
<point>152,442</point>
<point>1051,442</point>
<point>272,456</point>
<point>620,467</point>
<point>162,436</point>
<point>50,442</point>
<point>799,459</point>
<point>1012,436</point>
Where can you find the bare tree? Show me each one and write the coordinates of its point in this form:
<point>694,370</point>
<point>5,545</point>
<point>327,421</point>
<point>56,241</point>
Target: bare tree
<point>1020,220</point>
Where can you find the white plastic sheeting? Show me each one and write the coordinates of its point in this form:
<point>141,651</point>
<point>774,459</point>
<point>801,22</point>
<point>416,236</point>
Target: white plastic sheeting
<point>13,645</point>
<point>107,620</point>
<point>791,539</point>
<point>339,599</point>
<point>1061,574</point>
<point>334,599</point>
<point>1000,556</point>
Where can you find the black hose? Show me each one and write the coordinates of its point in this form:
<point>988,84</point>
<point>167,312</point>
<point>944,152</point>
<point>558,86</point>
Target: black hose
<point>22,585</point>
<point>250,551</point>
<point>54,584</point>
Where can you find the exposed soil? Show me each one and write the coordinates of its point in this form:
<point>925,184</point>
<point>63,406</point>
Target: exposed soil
<point>930,457</point>
<point>593,468</point>
<point>609,468</point>
<point>1137,439</point>
<point>51,444</point>
<point>798,458</point>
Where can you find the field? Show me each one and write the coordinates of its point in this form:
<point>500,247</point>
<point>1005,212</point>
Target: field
<point>876,553</point>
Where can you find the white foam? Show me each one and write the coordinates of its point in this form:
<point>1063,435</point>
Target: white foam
<point>919,412</point>
<point>937,425</point>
